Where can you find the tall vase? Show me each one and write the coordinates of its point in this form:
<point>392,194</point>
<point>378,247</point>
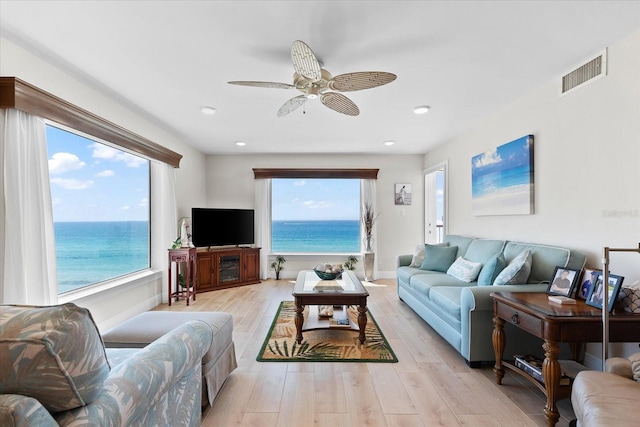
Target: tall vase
<point>369,258</point>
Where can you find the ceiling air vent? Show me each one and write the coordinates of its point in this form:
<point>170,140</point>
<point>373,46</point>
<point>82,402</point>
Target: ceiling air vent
<point>597,67</point>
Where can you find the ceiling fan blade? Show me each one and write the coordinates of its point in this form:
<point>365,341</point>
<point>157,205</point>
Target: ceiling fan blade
<point>271,85</point>
<point>360,80</point>
<point>291,105</point>
<point>304,61</point>
<point>340,103</point>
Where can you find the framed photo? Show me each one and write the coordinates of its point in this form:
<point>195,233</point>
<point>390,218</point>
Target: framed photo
<point>589,277</point>
<point>403,194</point>
<point>563,281</point>
<point>595,296</point>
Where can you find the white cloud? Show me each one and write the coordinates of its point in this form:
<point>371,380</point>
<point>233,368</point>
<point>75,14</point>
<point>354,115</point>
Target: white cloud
<point>105,173</point>
<point>314,204</point>
<point>488,158</point>
<point>300,183</point>
<point>125,208</point>
<point>64,162</point>
<point>72,184</point>
<point>144,202</point>
<point>104,152</point>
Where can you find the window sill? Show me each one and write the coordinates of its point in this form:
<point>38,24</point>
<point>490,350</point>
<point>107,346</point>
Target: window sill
<point>130,279</point>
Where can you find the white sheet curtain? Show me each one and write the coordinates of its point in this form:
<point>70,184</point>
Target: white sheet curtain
<point>263,223</point>
<point>368,197</point>
<point>27,243</point>
<point>164,219</point>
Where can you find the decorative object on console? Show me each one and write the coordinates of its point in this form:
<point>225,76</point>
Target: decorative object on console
<point>589,277</point>
<point>328,271</point>
<point>563,281</point>
<point>502,179</point>
<point>403,194</point>
<point>596,297</point>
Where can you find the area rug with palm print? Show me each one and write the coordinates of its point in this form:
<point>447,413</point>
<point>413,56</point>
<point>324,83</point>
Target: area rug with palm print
<point>323,345</point>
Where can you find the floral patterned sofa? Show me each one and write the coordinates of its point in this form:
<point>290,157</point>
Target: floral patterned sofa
<point>54,370</point>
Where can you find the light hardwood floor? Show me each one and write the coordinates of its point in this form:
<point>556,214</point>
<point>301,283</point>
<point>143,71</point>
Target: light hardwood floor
<point>430,385</point>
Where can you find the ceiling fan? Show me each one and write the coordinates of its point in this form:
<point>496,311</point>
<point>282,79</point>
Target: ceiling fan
<point>316,82</point>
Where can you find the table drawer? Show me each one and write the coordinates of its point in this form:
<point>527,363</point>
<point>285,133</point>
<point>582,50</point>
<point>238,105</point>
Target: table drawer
<point>525,321</point>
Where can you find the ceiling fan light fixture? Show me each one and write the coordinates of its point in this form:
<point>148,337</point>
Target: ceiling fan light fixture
<point>209,111</point>
<point>241,143</point>
<point>312,92</point>
<point>389,143</point>
<point>422,109</point>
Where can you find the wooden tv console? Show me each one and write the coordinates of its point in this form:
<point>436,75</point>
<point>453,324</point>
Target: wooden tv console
<point>228,267</point>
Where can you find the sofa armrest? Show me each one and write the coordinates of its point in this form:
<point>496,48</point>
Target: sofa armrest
<point>168,365</point>
<point>479,297</point>
<point>403,260</point>
<point>23,411</point>
<point>619,366</point>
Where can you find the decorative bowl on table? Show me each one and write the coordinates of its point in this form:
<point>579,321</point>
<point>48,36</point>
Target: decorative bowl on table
<point>328,271</point>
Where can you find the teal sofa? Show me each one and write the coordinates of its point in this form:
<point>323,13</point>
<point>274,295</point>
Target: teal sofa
<point>462,312</point>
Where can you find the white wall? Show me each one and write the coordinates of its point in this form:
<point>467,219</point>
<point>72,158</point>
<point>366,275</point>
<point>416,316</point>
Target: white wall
<point>190,178</point>
<point>230,184</point>
<point>586,161</point>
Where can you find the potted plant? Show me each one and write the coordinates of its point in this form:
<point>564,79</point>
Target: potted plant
<point>277,265</point>
<point>350,263</point>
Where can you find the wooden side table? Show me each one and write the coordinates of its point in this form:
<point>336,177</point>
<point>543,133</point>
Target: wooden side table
<point>187,256</point>
<point>554,323</point>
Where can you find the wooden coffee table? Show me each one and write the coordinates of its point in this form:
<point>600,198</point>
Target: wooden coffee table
<point>311,290</point>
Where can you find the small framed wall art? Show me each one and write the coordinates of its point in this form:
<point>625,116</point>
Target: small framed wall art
<point>403,194</point>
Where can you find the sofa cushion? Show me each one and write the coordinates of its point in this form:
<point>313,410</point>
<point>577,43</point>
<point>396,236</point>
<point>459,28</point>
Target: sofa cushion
<point>544,259</point>
<point>464,270</point>
<point>53,354</point>
<point>517,272</point>
<point>447,298</point>
<point>462,242</point>
<point>490,270</point>
<point>482,250</point>
<point>438,258</point>
<point>423,283</point>
<point>418,254</point>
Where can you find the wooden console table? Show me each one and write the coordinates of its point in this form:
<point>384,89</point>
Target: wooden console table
<point>554,323</point>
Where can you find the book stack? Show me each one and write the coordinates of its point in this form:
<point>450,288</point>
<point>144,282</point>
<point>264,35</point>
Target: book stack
<point>533,366</point>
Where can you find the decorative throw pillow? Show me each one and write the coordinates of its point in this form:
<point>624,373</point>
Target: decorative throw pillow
<point>464,270</point>
<point>517,272</point>
<point>491,269</point>
<point>53,354</point>
<point>418,255</point>
<point>438,258</point>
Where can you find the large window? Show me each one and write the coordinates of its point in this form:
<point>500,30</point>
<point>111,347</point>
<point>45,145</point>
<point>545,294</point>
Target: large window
<point>101,214</point>
<point>315,215</point>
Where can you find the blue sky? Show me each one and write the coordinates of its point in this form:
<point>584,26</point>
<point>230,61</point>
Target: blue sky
<point>93,182</point>
<point>504,157</point>
<point>315,199</point>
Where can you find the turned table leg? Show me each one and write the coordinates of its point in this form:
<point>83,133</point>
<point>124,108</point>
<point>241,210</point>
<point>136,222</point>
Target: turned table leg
<point>551,373</point>
<point>299,321</point>
<point>499,339</point>
<point>362,322</point>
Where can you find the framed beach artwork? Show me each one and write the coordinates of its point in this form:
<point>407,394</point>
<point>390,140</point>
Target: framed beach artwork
<point>502,179</point>
<point>403,194</point>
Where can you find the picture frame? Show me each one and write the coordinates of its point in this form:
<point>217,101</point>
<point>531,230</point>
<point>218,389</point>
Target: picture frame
<point>594,298</point>
<point>403,194</point>
<point>563,281</point>
<point>589,276</point>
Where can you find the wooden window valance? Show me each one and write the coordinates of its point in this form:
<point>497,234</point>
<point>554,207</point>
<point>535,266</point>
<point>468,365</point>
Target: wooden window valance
<point>259,173</point>
<point>20,95</point>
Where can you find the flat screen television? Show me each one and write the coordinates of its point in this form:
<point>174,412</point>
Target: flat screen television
<point>222,227</point>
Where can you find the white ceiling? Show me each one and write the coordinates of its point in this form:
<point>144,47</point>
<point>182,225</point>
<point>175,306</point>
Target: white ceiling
<point>466,59</point>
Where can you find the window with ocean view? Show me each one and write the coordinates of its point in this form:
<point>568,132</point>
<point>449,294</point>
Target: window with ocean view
<point>315,215</point>
<point>100,198</point>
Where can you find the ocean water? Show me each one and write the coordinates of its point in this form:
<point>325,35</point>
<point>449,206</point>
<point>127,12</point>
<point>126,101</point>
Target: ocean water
<point>315,236</point>
<point>91,252</point>
<point>499,180</point>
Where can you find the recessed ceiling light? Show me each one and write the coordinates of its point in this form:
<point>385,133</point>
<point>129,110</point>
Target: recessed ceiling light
<point>423,109</point>
<point>241,143</point>
<point>389,142</point>
<point>210,111</point>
